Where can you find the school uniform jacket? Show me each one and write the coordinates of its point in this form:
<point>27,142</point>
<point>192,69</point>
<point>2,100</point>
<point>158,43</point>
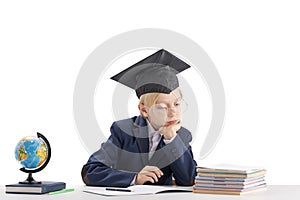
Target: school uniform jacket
<point>125,153</point>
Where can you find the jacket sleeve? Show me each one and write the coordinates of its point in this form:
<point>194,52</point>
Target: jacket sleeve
<point>100,169</point>
<point>180,155</point>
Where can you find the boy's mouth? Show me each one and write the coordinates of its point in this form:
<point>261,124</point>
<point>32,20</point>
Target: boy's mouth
<point>172,122</point>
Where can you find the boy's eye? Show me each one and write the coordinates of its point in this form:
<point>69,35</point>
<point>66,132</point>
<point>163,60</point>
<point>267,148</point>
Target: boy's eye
<point>177,103</point>
<point>161,107</point>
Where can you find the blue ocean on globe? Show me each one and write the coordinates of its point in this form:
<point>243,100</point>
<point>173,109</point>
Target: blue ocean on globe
<point>31,152</point>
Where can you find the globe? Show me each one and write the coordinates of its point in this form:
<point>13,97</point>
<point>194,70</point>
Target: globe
<point>31,152</point>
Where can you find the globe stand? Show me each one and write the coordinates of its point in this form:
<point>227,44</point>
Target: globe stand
<point>30,180</point>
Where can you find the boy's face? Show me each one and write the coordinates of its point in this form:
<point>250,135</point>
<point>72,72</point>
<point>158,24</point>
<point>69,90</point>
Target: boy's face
<point>166,112</point>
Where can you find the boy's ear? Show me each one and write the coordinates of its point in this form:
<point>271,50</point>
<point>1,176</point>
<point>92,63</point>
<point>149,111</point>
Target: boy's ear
<point>143,110</point>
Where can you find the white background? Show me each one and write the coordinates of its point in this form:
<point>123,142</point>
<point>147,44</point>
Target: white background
<point>255,46</point>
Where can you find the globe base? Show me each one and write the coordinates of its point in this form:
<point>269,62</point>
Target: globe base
<point>30,180</point>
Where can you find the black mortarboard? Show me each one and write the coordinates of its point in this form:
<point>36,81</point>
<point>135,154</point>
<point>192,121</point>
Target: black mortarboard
<point>156,73</point>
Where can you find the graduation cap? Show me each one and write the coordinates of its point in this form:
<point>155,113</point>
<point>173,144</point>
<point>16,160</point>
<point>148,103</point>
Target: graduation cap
<point>155,73</point>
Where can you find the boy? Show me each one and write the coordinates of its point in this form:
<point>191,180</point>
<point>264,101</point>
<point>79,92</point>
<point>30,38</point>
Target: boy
<point>151,148</point>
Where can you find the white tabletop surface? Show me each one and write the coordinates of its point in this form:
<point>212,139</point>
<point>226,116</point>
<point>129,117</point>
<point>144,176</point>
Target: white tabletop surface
<point>273,192</point>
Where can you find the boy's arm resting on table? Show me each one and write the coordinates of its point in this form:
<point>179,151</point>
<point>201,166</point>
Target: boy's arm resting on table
<point>95,173</point>
<point>180,154</point>
<point>99,170</point>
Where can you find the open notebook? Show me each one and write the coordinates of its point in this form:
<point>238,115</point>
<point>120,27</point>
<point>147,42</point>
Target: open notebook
<point>137,190</point>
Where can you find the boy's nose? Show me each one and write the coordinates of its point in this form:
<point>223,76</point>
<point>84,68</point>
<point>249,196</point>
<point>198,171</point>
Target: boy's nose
<point>171,111</point>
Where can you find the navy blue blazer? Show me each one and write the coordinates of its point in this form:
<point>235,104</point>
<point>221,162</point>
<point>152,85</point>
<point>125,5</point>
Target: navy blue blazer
<point>125,153</point>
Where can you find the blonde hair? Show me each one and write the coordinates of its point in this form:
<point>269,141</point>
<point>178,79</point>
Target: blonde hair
<point>150,99</point>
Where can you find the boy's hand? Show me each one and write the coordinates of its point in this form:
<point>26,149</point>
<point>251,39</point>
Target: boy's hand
<point>148,173</point>
<point>169,130</point>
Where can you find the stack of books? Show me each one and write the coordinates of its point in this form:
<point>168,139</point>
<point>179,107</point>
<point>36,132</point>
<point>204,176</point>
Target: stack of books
<point>229,179</point>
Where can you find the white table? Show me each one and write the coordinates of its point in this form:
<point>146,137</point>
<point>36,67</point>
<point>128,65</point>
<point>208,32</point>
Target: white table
<point>273,192</point>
